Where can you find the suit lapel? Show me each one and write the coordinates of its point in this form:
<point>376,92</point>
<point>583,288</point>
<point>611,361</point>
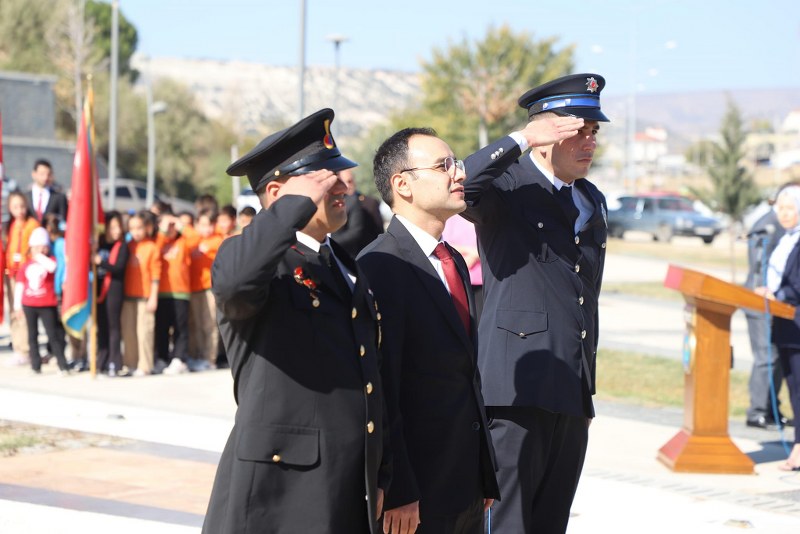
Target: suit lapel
<point>430,280</point>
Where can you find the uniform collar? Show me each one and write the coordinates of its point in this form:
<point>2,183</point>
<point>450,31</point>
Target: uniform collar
<point>557,182</point>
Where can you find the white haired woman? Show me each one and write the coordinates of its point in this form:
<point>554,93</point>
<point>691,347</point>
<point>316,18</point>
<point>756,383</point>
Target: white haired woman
<point>783,283</point>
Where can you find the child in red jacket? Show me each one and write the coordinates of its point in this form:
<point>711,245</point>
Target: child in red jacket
<point>35,298</point>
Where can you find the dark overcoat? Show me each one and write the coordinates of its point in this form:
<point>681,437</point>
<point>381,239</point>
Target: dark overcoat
<point>307,446</point>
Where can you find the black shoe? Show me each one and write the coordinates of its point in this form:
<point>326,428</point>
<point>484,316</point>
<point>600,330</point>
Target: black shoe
<point>763,421</point>
<point>760,421</point>
<point>785,421</point>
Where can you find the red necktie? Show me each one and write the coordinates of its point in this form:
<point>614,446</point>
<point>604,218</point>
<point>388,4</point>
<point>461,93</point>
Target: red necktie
<point>455,283</point>
<point>39,207</point>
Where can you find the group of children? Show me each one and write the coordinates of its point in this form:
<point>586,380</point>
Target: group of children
<point>155,310</point>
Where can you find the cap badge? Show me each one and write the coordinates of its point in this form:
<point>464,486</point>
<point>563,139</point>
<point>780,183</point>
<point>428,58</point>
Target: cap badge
<point>591,84</point>
<point>328,139</point>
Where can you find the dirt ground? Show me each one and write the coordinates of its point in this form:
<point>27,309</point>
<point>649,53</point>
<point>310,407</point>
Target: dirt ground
<point>22,438</point>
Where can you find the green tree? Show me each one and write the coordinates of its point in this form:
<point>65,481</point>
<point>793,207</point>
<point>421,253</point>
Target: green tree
<point>100,13</point>
<point>699,153</point>
<point>23,25</point>
<point>732,187</point>
<point>471,88</point>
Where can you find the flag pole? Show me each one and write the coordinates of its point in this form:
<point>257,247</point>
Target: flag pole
<point>94,240</point>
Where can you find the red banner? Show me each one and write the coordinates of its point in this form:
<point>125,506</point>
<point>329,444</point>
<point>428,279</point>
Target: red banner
<point>81,228</point>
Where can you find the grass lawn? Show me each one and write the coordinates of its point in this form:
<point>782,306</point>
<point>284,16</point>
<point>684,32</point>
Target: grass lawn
<point>656,381</point>
<point>655,290</point>
<point>683,251</point>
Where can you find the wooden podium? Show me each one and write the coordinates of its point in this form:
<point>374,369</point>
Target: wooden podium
<point>703,444</point>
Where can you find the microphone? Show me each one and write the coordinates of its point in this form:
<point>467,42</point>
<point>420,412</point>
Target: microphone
<point>768,229</point>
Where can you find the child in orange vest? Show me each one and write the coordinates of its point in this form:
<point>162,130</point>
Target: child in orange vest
<point>20,228</point>
<point>142,276</point>
<point>203,309</point>
<point>173,297</point>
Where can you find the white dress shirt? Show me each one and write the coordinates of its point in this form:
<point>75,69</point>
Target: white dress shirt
<point>427,243</point>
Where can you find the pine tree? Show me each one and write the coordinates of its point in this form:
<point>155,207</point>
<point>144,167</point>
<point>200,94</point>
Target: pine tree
<point>733,189</point>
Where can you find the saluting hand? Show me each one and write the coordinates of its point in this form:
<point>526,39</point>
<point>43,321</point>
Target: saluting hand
<point>313,185</point>
<point>547,131</point>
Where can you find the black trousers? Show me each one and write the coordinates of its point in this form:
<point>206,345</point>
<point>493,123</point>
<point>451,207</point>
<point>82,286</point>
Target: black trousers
<point>470,521</point>
<point>540,456</point>
<point>49,317</point>
<point>174,314</point>
<point>109,329</point>
<point>790,362</point>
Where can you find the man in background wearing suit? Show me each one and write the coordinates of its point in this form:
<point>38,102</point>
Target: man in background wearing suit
<point>301,334</point>
<point>542,234</point>
<point>364,221</point>
<point>43,198</point>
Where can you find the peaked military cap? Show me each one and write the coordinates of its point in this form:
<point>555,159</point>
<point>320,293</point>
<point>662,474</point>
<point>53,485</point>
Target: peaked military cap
<point>299,149</point>
<point>576,94</point>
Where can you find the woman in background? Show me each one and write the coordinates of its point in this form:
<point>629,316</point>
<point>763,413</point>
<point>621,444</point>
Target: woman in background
<point>783,283</point>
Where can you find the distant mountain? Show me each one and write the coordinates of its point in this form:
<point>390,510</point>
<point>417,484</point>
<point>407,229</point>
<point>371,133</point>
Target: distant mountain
<point>259,98</point>
<point>691,116</point>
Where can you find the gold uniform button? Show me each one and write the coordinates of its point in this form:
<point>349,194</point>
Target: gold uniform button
<point>369,388</point>
<point>362,351</point>
<point>378,316</point>
<point>577,240</point>
<point>354,313</point>
<point>583,334</point>
<point>276,458</point>
<point>580,301</point>
<point>577,268</point>
<point>370,427</point>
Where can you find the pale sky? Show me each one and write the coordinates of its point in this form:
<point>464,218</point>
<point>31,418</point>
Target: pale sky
<point>676,45</point>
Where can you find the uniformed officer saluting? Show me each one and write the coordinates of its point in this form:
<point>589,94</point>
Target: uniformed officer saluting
<point>542,234</point>
<point>301,332</point>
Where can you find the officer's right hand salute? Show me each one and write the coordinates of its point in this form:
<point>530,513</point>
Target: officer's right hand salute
<point>314,185</point>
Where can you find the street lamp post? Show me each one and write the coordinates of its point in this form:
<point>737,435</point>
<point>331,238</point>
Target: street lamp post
<point>112,113</point>
<point>302,61</point>
<point>337,41</point>
<point>153,108</point>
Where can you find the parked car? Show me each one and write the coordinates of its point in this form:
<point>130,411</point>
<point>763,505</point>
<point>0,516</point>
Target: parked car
<point>663,216</point>
<point>131,195</point>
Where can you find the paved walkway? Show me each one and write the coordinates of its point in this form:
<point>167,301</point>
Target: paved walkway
<point>158,480</point>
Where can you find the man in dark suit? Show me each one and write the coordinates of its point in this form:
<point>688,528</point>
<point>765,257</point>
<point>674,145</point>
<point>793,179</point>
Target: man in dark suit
<point>764,236</point>
<point>43,198</point>
<point>542,234</point>
<point>442,461</point>
<point>301,332</point>
<point>364,221</point>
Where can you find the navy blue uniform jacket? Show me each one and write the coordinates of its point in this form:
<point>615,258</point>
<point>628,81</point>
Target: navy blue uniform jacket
<point>539,328</point>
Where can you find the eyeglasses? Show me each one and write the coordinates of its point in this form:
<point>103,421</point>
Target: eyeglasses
<point>448,165</point>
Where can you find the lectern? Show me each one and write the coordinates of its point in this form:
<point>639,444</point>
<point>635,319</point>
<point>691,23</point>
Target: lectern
<point>703,444</point>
